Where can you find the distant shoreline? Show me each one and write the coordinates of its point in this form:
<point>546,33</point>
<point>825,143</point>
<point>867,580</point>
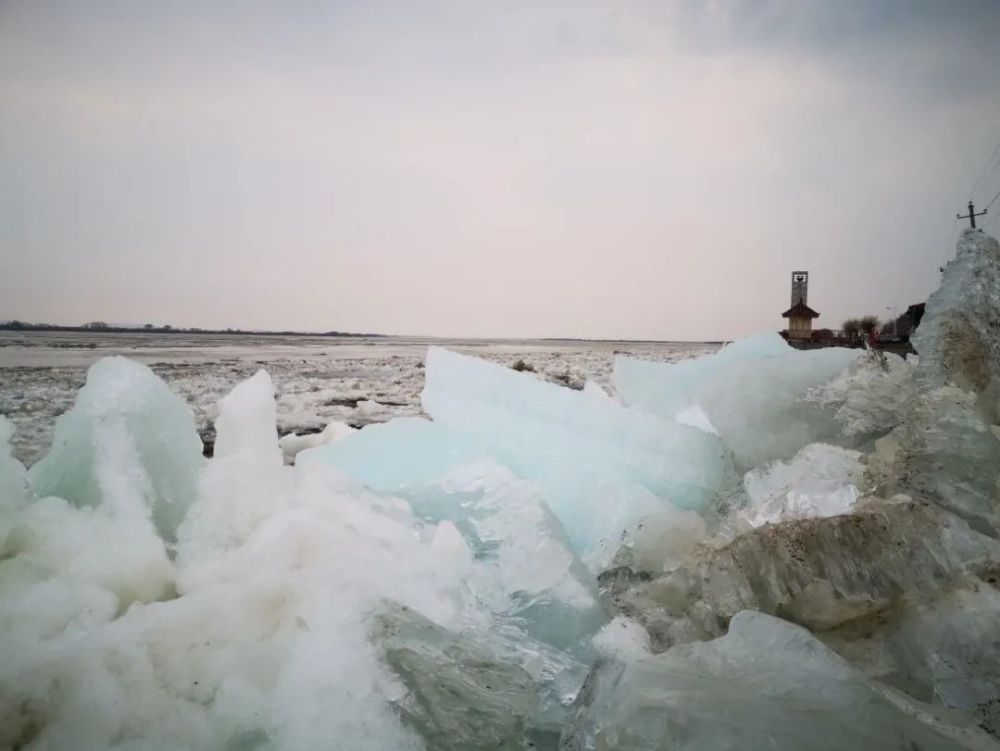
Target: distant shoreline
<point>90,329</point>
<point>20,327</point>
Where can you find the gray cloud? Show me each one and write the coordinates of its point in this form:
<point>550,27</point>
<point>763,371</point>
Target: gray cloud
<point>586,169</point>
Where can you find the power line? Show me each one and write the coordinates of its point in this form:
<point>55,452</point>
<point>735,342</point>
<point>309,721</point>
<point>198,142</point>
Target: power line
<point>992,201</point>
<point>986,167</point>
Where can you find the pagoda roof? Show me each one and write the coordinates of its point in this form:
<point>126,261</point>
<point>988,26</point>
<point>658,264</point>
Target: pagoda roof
<point>800,310</point>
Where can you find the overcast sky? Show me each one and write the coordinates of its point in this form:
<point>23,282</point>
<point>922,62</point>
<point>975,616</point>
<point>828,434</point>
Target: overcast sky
<point>593,169</point>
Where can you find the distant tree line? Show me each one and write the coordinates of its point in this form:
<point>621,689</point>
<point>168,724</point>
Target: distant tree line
<point>16,325</point>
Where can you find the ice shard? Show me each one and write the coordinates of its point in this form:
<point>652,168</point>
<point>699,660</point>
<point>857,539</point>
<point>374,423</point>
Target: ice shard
<point>870,397</point>
<point>528,568</point>
<point>958,340</point>
<point>940,648</point>
<point>760,407</point>
<point>407,452</point>
<point>755,394</point>
<point>462,693</point>
<point>666,389</point>
<point>947,449</point>
<point>820,480</point>
<point>766,684</point>
<point>127,432</point>
<point>818,572</point>
<point>600,467</point>
<point>247,464</point>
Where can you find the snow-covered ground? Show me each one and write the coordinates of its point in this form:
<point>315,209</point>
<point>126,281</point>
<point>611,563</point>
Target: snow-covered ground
<point>318,380</point>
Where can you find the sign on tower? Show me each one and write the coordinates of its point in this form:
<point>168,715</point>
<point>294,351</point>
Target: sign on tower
<point>800,287</point>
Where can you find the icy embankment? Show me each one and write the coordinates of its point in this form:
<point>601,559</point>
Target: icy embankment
<point>763,548</point>
<point>889,557</point>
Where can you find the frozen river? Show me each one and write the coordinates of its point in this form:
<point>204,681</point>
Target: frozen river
<point>318,379</point>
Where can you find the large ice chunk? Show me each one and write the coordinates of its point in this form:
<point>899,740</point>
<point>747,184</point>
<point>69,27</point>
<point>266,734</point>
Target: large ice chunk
<point>525,567</point>
<point>766,684</point>
<point>821,480</point>
<point>755,393</point>
<point>667,389</point>
<point>245,425</point>
<point>63,567</point>
<point>948,448</point>
<point>600,467</point>
<point>940,649</point>
<point>820,572</point>
<point>958,338</point>
<point>468,691</point>
<point>407,452</point>
<point>760,408</point>
<point>245,482</point>
<point>522,548</point>
<point>946,453</point>
<point>126,428</point>
<point>461,694</point>
<point>870,397</point>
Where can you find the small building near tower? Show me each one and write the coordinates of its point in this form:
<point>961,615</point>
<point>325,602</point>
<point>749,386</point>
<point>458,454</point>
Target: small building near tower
<point>800,316</point>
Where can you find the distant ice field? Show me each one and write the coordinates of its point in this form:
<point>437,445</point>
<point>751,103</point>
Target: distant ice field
<point>318,380</point>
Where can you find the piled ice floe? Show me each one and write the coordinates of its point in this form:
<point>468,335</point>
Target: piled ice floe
<point>533,566</point>
<point>298,610</point>
<point>599,466</point>
<point>891,558</point>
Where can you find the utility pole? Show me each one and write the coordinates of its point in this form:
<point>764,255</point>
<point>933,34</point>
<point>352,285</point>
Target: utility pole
<point>971,216</point>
